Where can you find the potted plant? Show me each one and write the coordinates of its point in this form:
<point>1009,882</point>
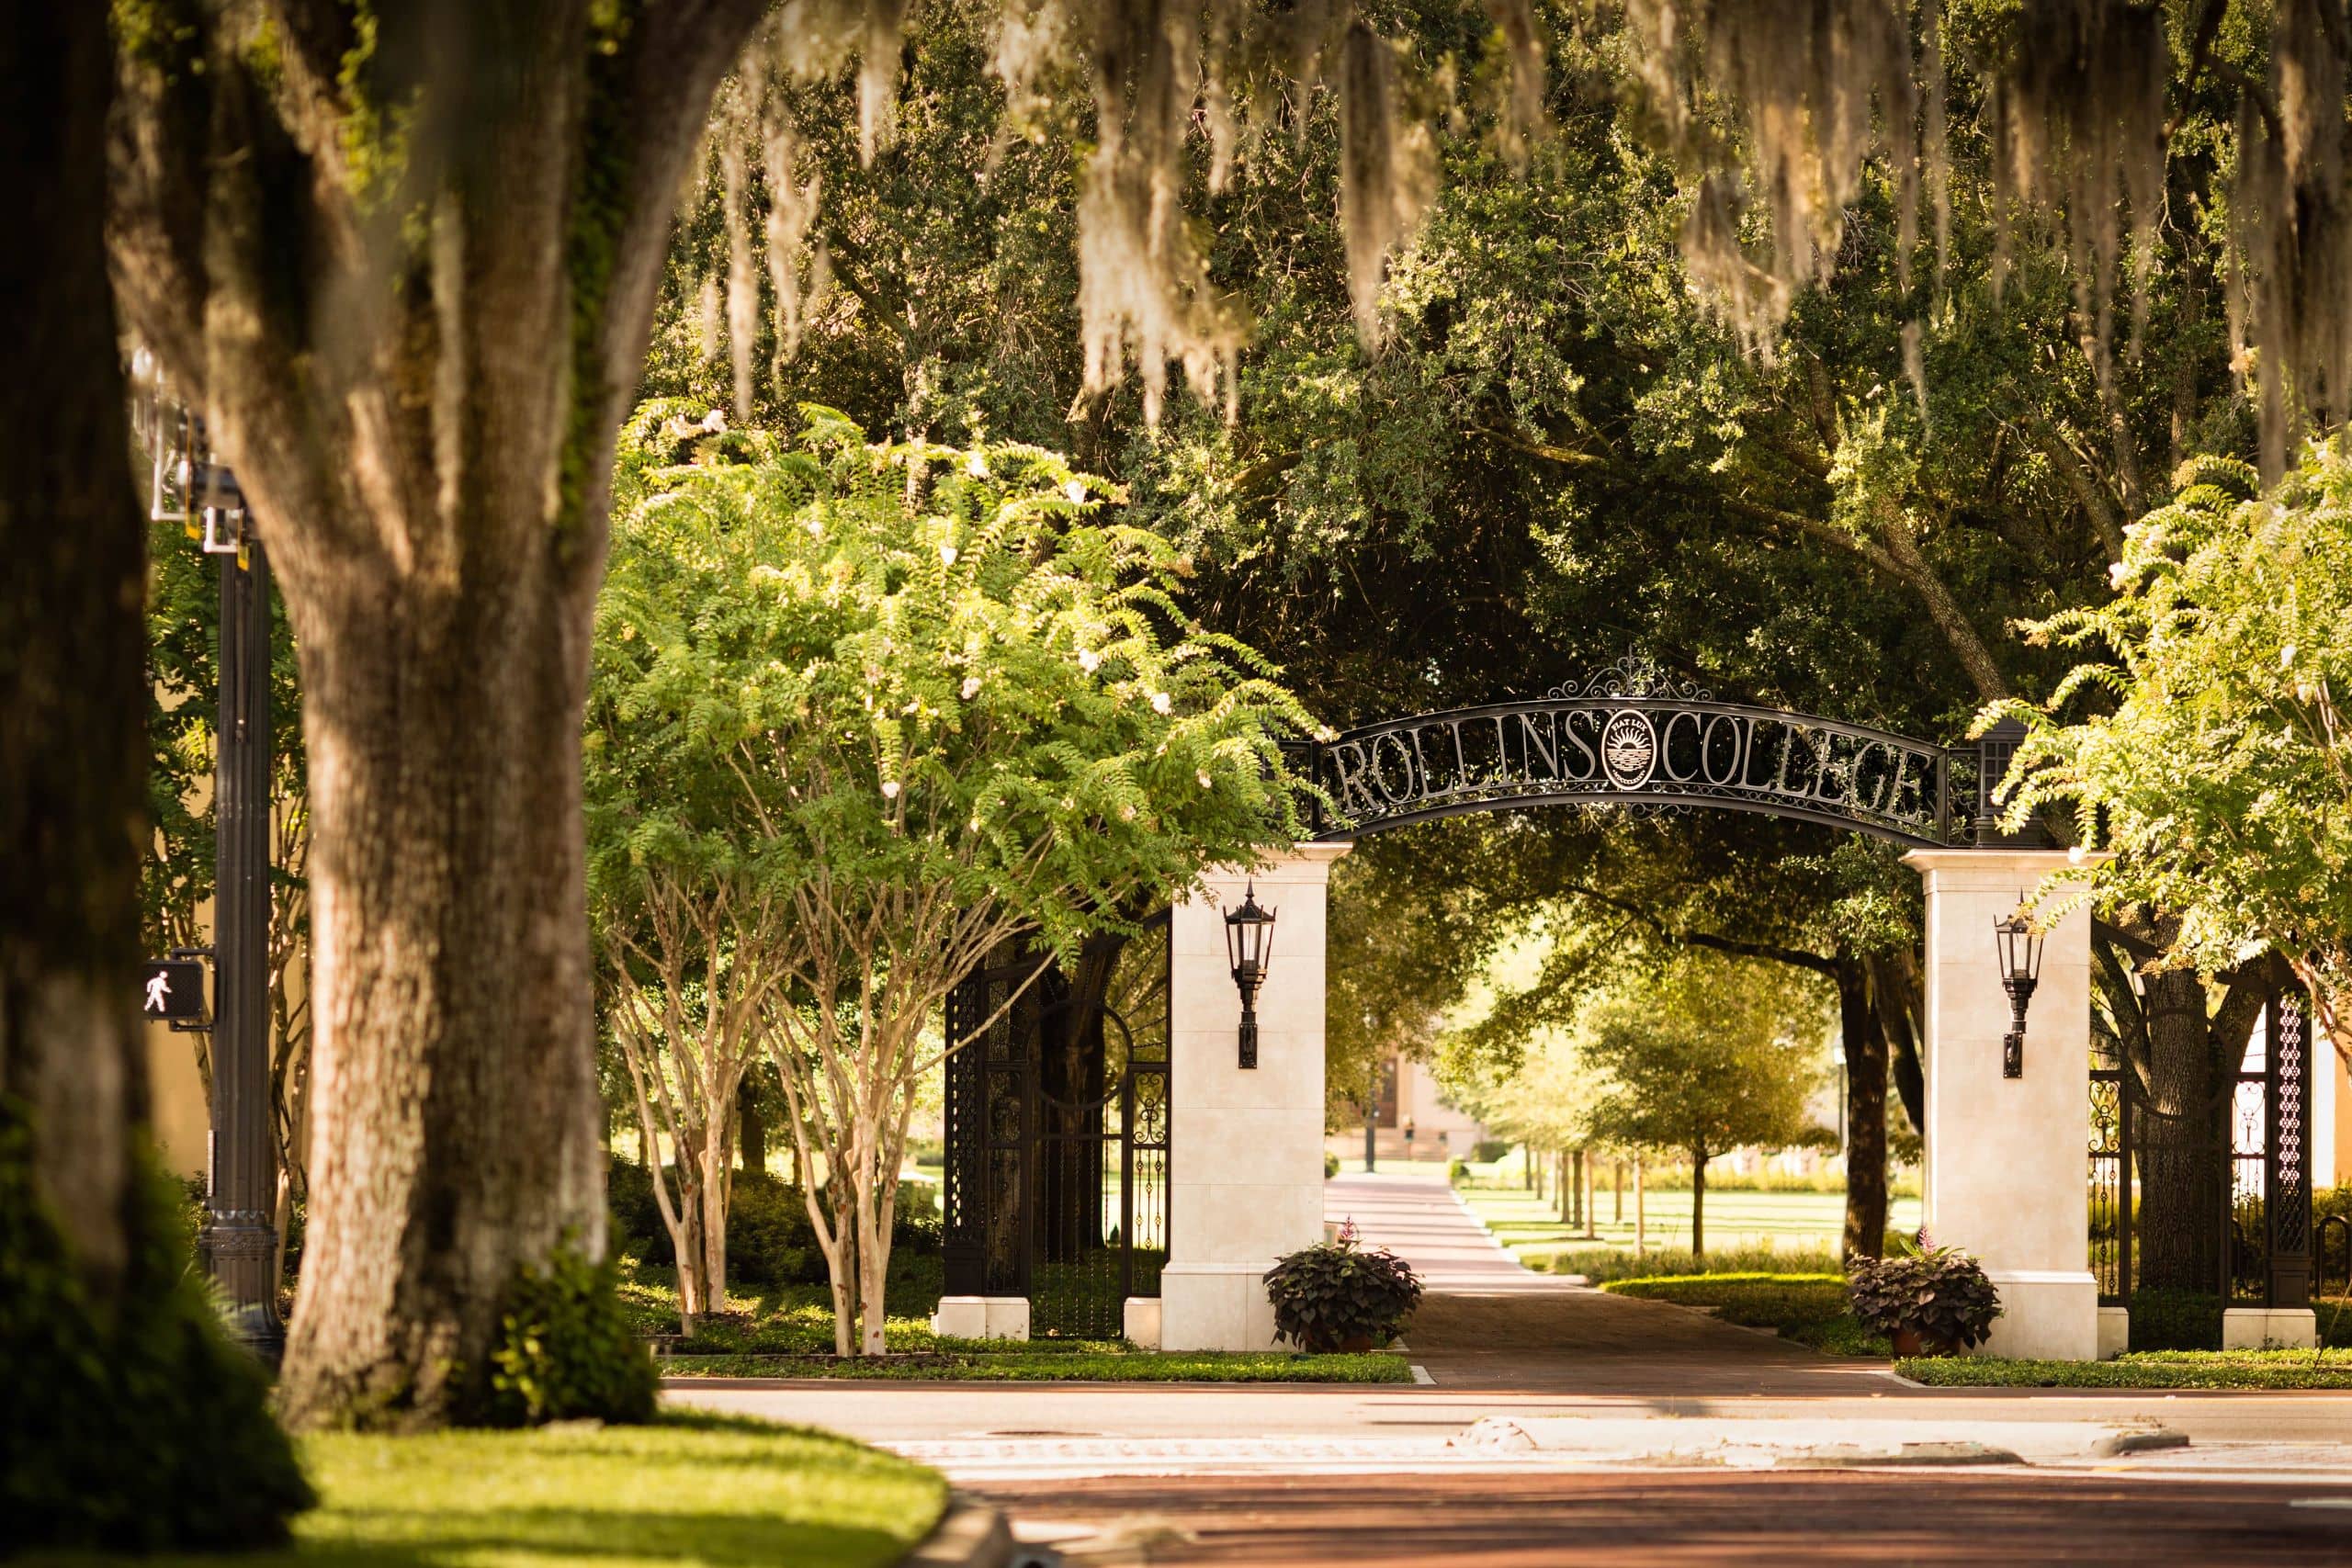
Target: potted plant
<point>1336,1295</point>
<point>1930,1301</point>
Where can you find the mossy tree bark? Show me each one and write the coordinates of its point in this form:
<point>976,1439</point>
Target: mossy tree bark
<point>73,699</point>
<point>131,1424</point>
<point>408,277</point>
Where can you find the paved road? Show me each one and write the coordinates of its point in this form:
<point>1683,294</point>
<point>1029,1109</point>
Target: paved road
<point>1714,1519</point>
<point>1374,1475</point>
<point>1499,1340</point>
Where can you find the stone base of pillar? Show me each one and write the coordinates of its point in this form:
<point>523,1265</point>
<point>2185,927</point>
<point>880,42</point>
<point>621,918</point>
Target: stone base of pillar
<point>1140,1322</point>
<point>2114,1332</point>
<point>2047,1315</point>
<point>2270,1329</point>
<point>1215,1306</point>
<point>982,1317</point>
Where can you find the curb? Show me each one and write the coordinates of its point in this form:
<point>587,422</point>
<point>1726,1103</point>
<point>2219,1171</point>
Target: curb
<point>970,1534</point>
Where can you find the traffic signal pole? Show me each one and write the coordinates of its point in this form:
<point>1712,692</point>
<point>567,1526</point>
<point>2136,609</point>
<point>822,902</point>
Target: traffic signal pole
<point>241,1233</point>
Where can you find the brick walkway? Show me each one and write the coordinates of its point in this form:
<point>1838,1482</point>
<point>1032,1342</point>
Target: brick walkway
<point>1489,1324</point>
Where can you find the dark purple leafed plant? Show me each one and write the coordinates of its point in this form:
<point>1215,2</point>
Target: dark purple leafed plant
<point>1336,1295</point>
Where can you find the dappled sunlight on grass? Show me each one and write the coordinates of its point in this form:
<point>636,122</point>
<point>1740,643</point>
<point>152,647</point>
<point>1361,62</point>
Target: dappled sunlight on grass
<point>687,1490</point>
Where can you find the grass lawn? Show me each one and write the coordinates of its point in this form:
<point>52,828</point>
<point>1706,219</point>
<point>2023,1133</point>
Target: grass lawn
<point>1531,1227</point>
<point>1808,1308</point>
<point>696,1490</point>
<point>2140,1369</point>
<point>1067,1362</point>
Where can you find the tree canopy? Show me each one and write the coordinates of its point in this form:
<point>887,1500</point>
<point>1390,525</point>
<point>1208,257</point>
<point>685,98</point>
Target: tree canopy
<point>2218,776</point>
<point>906,709</point>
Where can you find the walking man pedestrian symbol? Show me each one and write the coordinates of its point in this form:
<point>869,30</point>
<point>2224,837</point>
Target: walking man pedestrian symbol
<point>174,990</point>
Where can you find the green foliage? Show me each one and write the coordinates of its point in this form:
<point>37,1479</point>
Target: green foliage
<point>1010,1365</point>
<point>904,705</point>
<point>1603,1265</point>
<point>566,1350</point>
<point>134,1424</point>
<point>1331,1165</point>
<point>183,705</point>
<point>1703,1056</point>
<point>685,1488</point>
<point>1809,1307</point>
<point>2176,1320</point>
<point>1456,1173</point>
<point>1939,1293</point>
<point>951,675</point>
<point>770,1240</point>
<point>2160,1369</point>
<point>1335,1293</point>
<point>1489,1150</point>
<point>2220,773</point>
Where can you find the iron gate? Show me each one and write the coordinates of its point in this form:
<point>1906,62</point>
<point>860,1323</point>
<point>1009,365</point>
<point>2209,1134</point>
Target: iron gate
<point>1055,1182</point>
<point>2264,1257</point>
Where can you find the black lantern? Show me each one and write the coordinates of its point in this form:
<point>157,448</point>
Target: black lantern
<point>2020,947</point>
<point>1248,943</point>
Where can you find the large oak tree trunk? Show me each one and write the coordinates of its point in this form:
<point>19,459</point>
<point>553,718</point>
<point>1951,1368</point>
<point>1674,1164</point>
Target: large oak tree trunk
<point>126,1419</point>
<point>408,277</point>
<point>1866,1053</point>
<point>2179,1138</point>
<point>456,1108</point>
<point>73,754</point>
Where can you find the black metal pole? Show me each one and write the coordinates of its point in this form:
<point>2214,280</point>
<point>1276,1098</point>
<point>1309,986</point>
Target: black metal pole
<point>240,1233</point>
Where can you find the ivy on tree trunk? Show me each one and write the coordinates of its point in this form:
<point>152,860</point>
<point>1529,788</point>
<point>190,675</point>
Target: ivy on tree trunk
<point>408,277</point>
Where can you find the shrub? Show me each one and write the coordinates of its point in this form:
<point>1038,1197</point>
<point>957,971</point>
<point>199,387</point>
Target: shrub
<point>566,1348</point>
<point>631,1215</point>
<point>1334,1295</point>
<point>1489,1150</point>
<point>1603,1264</point>
<point>1331,1165</point>
<point>1456,1172</point>
<point>1810,1308</point>
<point>137,1427</point>
<point>2172,1319</point>
<point>770,1240</point>
<point>915,1235</point>
<point>1939,1293</point>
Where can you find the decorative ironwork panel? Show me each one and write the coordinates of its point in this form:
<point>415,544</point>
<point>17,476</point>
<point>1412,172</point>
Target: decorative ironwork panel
<point>2289,1178</point>
<point>1057,1128</point>
<point>961,1206</point>
<point>2246,1232</point>
<point>2111,1195</point>
<point>1634,735</point>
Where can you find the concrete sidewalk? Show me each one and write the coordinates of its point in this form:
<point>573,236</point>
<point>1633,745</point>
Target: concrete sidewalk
<point>1490,1323</point>
<point>1420,1219</point>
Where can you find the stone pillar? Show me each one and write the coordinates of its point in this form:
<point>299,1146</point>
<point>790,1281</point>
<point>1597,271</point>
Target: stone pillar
<point>2005,1169</point>
<point>1246,1165</point>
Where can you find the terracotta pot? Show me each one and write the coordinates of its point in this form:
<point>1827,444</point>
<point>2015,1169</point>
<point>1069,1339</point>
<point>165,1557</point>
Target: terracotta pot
<point>1911,1342</point>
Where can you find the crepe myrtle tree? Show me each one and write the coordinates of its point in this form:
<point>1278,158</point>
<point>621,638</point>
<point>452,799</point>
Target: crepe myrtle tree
<point>1703,1055</point>
<point>2220,772</point>
<point>930,705</point>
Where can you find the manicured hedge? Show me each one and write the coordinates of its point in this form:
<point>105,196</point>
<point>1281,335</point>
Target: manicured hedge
<point>2155,1368</point>
<point>1811,1309</point>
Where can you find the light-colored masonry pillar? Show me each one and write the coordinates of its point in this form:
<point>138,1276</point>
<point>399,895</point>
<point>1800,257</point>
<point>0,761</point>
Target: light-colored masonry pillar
<point>2005,1175</point>
<point>1245,1161</point>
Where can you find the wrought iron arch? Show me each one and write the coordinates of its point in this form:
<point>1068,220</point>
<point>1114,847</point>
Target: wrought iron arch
<point>1634,735</point>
